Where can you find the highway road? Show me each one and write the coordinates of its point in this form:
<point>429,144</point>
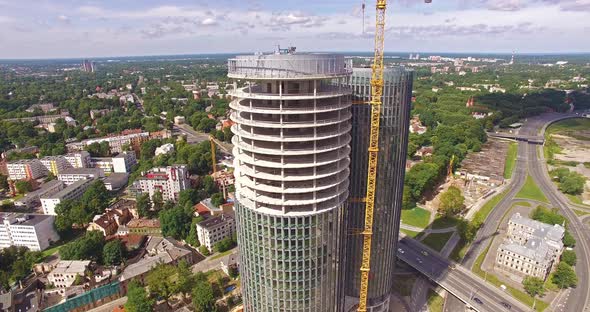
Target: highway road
<point>456,279</point>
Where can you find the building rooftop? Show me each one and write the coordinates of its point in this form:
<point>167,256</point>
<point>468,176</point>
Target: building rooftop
<point>94,171</point>
<point>70,267</point>
<point>23,218</point>
<point>117,178</point>
<point>541,230</point>
<point>538,250</point>
<point>214,221</point>
<point>139,223</point>
<point>71,187</point>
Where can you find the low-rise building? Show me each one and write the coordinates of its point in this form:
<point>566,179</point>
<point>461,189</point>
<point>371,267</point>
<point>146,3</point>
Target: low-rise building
<point>33,198</point>
<point>65,273</point>
<point>532,248</point>
<point>71,192</point>
<point>164,149</point>
<point>108,223</point>
<point>33,231</point>
<point>169,181</point>
<point>212,230</point>
<point>145,227</point>
<point>72,175</point>
<point>116,181</point>
<point>25,169</point>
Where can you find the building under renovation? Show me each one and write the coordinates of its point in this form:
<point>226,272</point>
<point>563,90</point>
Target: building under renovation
<point>292,147</point>
<point>393,142</point>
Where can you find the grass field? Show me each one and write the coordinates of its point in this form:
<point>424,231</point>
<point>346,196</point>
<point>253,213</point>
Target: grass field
<point>417,217</point>
<point>530,190</point>
<point>459,251</point>
<point>411,234</point>
<point>570,127</point>
<point>444,222</point>
<point>437,241</point>
<point>576,199</point>
<point>510,160</point>
<point>435,301</point>
<point>482,214</point>
<point>223,254</point>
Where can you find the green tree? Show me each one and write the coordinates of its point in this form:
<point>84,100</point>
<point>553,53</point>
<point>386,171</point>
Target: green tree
<point>203,297</point>
<point>143,205</point>
<point>87,247</point>
<point>161,280</point>
<point>573,183</point>
<point>192,237</point>
<point>569,257</point>
<point>137,298</point>
<point>451,202</point>
<point>113,252</point>
<point>204,251</point>
<point>569,240</point>
<point>186,278</point>
<point>534,286</point>
<point>468,230</point>
<point>157,201</point>
<point>224,245</point>
<point>175,222</point>
<point>564,276</point>
<point>23,186</point>
<point>217,199</point>
<point>95,198</point>
<point>3,182</point>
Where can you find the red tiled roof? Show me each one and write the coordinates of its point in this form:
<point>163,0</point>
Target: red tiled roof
<point>201,209</point>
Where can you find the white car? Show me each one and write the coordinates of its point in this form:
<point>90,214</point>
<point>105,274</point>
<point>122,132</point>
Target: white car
<point>400,250</point>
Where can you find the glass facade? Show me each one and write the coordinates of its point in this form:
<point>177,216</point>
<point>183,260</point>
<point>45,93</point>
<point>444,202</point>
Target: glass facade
<point>393,142</point>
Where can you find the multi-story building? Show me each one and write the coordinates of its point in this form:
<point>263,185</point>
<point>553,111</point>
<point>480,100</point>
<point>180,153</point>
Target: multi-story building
<point>123,162</point>
<point>211,231</point>
<point>108,223</point>
<point>33,231</point>
<point>26,169</point>
<point>65,273</point>
<point>169,181</point>
<point>55,164</point>
<point>117,143</point>
<point>532,248</point>
<point>71,192</point>
<point>72,175</point>
<point>47,189</point>
<point>393,139</point>
<point>79,159</point>
<point>291,149</point>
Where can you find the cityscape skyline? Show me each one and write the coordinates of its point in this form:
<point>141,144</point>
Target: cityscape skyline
<point>51,29</point>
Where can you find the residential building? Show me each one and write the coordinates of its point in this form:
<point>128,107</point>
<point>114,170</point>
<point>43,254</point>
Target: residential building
<point>103,163</point>
<point>532,248</point>
<point>116,143</point>
<point>116,181</point>
<point>79,159</point>
<point>65,272</point>
<point>72,192</point>
<point>34,198</point>
<point>291,148</point>
<point>33,231</point>
<point>169,181</point>
<point>212,230</point>
<point>25,169</point>
<point>145,227</point>
<point>108,223</point>
<point>393,141</point>
<point>55,164</point>
<point>72,175</point>
<point>164,149</point>
<point>179,120</point>
<point>124,161</point>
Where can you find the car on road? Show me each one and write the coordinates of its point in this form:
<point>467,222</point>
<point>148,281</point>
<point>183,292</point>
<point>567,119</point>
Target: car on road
<point>424,252</point>
<point>477,300</point>
<point>419,260</point>
<point>400,250</point>
<point>506,305</point>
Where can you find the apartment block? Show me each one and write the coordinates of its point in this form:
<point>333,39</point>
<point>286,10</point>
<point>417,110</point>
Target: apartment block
<point>72,175</point>
<point>80,159</point>
<point>55,164</point>
<point>72,192</point>
<point>26,169</point>
<point>47,189</point>
<point>33,231</point>
<point>169,181</point>
<point>123,162</point>
<point>215,229</point>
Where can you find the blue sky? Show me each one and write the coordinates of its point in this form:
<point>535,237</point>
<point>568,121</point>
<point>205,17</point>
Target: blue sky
<point>81,28</point>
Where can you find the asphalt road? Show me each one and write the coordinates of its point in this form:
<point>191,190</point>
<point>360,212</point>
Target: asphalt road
<point>458,280</point>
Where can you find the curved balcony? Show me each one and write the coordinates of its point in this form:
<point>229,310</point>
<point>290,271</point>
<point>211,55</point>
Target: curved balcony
<point>289,67</point>
<point>281,210</point>
<point>292,188</point>
<point>303,151</point>
<point>290,124</point>
<point>267,109</point>
<point>291,138</point>
<point>306,175</point>
<point>257,94</point>
<point>294,199</point>
<point>298,162</point>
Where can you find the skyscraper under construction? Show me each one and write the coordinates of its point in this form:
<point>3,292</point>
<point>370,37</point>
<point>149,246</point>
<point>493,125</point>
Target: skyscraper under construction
<point>292,167</point>
<point>394,128</point>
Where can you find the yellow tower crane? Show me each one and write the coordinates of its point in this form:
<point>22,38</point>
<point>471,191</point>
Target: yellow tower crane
<point>376,101</point>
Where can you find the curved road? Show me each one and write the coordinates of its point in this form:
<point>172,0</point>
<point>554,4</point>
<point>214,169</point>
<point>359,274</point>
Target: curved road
<point>528,163</point>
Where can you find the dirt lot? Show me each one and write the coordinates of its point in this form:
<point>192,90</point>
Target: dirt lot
<point>572,149</point>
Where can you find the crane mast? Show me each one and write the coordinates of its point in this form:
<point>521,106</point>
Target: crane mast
<point>376,102</point>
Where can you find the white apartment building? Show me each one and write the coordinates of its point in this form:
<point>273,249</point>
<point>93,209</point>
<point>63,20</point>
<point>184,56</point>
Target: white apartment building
<point>116,143</point>
<point>79,159</point>
<point>55,164</point>
<point>169,181</point>
<point>25,169</point>
<point>104,163</point>
<point>164,149</point>
<point>33,231</point>
<point>213,230</point>
<point>65,272</point>
<point>72,175</point>
<point>123,162</point>
<point>47,189</point>
<point>72,192</point>
<point>532,248</point>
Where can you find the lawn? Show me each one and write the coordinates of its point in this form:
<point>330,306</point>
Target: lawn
<point>530,190</point>
<point>437,241</point>
<point>223,254</point>
<point>435,301</point>
<point>570,127</point>
<point>580,213</point>
<point>510,160</point>
<point>483,212</point>
<point>411,234</point>
<point>460,250</point>
<point>576,199</point>
<point>417,217</point>
<point>444,222</point>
